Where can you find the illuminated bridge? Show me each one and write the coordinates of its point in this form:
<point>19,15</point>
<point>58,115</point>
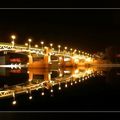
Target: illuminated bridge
<point>14,56</point>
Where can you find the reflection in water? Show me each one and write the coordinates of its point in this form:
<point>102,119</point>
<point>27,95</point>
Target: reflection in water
<point>18,81</point>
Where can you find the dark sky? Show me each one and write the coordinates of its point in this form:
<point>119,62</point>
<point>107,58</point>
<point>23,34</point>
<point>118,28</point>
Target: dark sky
<point>89,30</point>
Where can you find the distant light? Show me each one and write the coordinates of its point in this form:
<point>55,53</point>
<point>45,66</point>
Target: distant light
<point>42,42</point>
<point>59,46</point>
<point>51,44</point>
<point>26,44</point>
<point>14,102</point>
<point>51,90</point>
<point>65,48</point>
<point>36,46</point>
<point>42,93</point>
<point>59,88</point>
<point>71,83</point>
<point>30,97</point>
<point>30,40</point>
<point>13,37</point>
<point>66,85</point>
<point>79,80</point>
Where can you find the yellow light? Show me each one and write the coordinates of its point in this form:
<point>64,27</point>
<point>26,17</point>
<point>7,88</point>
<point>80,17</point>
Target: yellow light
<point>51,90</point>
<point>36,46</point>
<point>42,93</point>
<point>65,48</point>
<point>26,44</point>
<point>66,85</point>
<point>75,82</point>
<point>42,42</point>
<point>51,44</point>
<point>88,59</point>
<point>76,71</point>
<point>14,102</point>
<point>29,40</point>
<point>75,50</point>
<point>30,97</point>
<point>76,60</point>
<point>45,47</point>
<point>13,37</point>
<point>59,88</point>
<point>12,42</point>
<point>59,46</point>
<point>71,83</point>
<point>60,58</point>
<point>60,75</point>
<point>71,49</point>
<point>79,80</point>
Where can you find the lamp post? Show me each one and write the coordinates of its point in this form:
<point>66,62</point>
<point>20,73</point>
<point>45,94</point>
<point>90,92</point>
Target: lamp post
<point>29,40</point>
<point>59,46</point>
<point>51,44</point>
<point>13,40</point>
<point>42,43</point>
<point>71,50</point>
<point>65,49</point>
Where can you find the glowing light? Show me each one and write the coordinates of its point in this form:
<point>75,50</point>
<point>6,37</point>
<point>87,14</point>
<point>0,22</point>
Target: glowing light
<point>60,75</point>
<point>71,83</point>
<point>42,93</point>
<point>59,88</point>
<point>51,44</point>
<point>79,80</point>
<point>26,44</point>
<point>66,71</point>
<point>76,71</point>
<point>29,40</point>
<point>30,97</point>
<point>51,90</point>
<point>66,85</point>
<point>13,37</point>
<point>76,60</point>
<point>75,82</point>
<point>66,59</point>
<point>36,46</point>
<point>65,48</point>
<point>60,58</point>
<point>59,46</point>
<point>88,59</point>
<point>14,102</point>
<point>42,42</point>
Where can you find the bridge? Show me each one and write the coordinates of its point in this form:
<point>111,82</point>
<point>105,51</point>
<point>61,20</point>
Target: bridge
<point>44,57</point>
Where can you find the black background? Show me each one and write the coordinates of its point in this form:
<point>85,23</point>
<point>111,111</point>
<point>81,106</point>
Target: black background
<point>90,30</point>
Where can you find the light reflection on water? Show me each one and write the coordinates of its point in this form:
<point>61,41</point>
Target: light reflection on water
<point>19,81</point>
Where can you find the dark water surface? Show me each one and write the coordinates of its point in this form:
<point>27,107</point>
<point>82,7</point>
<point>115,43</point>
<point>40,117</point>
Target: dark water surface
<point>75,90</point>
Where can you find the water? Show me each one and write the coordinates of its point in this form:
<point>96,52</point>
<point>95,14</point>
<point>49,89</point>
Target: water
<point>68,89</point>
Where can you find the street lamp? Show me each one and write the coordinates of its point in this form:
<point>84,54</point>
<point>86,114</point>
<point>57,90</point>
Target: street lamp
<point>36,46</point>
<point>59,46</point>
<point>26,44</point>
<point>65,49</point>
<point>51,44</point>
<point>29,40</point>
<point>42,43</point>
<point>13,40</point>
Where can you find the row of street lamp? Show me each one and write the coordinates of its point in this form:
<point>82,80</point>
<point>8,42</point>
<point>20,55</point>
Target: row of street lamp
<point>42,45</point>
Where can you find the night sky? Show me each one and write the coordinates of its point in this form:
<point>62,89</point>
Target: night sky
<point>89,30</point>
